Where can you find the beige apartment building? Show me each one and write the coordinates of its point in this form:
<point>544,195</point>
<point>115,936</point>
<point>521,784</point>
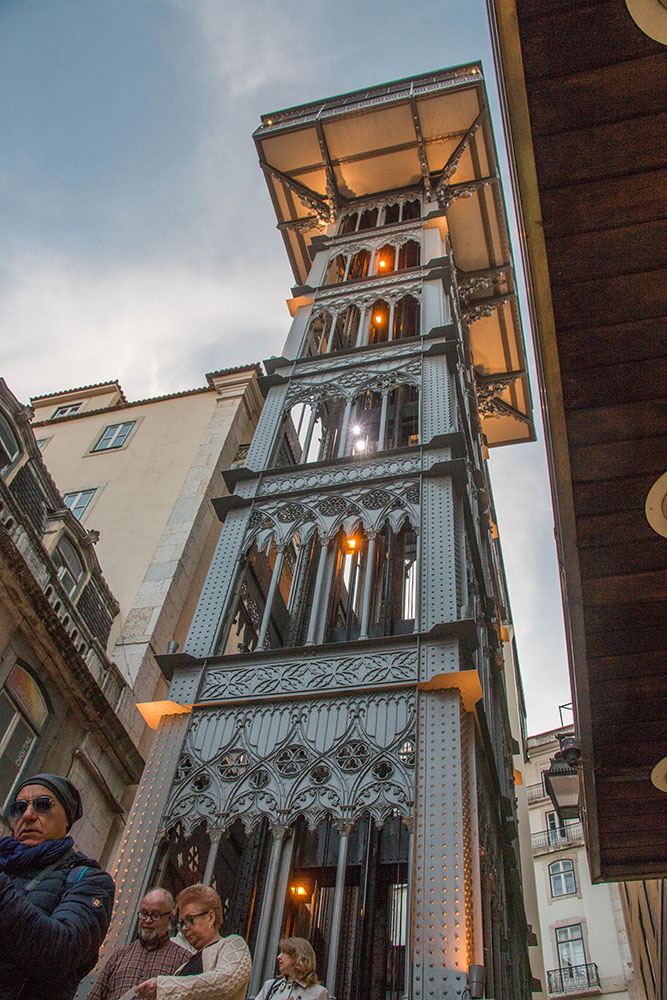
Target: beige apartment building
<point>141,474</point>
<point>584,938</point>
<point>106,533</point>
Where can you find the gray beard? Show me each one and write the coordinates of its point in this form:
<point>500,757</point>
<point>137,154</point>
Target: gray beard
<point>151,940</point>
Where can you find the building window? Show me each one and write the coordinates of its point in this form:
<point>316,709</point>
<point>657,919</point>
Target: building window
<point>9,446</point>
<point>561,878</point>
<point>571,953</point>
<point>23,714</point>
<point>67,411</point>
<point>77,502</point>
<point>556,828</point>
<point>69,564</point>
<point>114,436</point>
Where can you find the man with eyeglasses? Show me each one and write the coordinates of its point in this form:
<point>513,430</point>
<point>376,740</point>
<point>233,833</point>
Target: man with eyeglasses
<point>152,954</point>
<point>55,904</point>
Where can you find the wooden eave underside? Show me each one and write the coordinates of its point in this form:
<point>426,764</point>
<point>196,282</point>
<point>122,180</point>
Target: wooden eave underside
<point>433,134</point>
<point>587,98</point>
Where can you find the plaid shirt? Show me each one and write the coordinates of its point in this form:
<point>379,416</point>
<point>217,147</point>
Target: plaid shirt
<point>132,964</point>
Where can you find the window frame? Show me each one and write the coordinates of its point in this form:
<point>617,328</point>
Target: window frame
<point>91,491</point>
<point>66,410</point>
<point>63,567</point>
<point>7,436</point>
<point>97,446</point>
<point>562,875</point>
<point>563,967</point>
<point>22,692</point>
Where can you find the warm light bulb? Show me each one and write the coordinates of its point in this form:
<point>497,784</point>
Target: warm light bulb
<point>382,263</point>
<point>378,318</point>
<point>351,544</point>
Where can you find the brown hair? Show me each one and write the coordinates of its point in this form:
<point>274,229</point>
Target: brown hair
<point>303,956</point>
<point>202,895</point>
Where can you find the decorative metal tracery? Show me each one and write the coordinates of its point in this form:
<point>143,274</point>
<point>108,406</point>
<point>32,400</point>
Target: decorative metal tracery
<point>297,760</point>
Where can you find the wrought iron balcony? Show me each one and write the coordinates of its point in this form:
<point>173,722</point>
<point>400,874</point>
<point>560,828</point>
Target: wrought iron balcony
<point>536,792</point>
<point>575,979</point>
<point>554,840</point>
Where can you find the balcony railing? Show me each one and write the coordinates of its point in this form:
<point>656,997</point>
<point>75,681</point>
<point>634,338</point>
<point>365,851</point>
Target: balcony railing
<point>574,979</point>
<point>553,840</point>
<point>535,792</point>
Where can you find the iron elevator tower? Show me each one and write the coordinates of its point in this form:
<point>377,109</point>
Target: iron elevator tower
<point>336,753</point>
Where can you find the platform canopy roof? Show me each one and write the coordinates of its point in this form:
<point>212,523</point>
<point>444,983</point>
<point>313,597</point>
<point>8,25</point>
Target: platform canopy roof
<point>431,131</point>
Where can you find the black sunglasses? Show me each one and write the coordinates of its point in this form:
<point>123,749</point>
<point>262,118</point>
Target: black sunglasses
<point>42,804</point>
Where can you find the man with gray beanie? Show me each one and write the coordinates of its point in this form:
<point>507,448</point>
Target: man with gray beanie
<point>55,904</point>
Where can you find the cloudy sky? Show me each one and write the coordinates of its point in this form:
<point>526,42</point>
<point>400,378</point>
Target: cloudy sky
<point>139,239</point>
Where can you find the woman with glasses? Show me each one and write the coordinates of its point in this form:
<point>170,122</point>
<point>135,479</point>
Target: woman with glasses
<point>298,978</point>
<point>220,967</point>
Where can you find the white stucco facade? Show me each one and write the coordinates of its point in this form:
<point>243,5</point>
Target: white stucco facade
<point>584,940</point>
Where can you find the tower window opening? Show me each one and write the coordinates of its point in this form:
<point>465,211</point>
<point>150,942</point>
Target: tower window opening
<point>386,259</point>
<point>392,214</point>
<point>375,905</point>
<point>359,265</point>
<point>409,255</point>
<point>310,433</point>
<point>336,270</point>
<point>395,582</point>
<point>253,589</point>
<point>364,432</point>
<point>348,224</point>
<point>345,605</point>
<point>320,329</point>
<point>345,331</point>
<point>406,318</point>
<point>402,422</point>
<point>412,210</point>
<point>379,325</point>
<point>368,219</point>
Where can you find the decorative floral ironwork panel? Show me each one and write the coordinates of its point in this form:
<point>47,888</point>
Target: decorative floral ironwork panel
<point>336,758</point>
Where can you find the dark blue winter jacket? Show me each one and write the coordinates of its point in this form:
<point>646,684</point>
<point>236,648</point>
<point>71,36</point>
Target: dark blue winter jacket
<point>52,924</point>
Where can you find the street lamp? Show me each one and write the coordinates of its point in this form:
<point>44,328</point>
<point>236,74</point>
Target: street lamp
<point>562,781</point>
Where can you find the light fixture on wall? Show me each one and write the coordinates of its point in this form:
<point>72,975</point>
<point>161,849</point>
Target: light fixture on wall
<point>659,775</point>
<point>650,16</point>
<point>562,780</point>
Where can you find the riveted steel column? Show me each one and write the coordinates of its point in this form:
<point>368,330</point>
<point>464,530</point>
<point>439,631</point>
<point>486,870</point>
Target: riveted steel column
<point>390,322</point>
<point>267,914</point>
<point>141,839</point>
<point>317,595</point>
<point>411,882</point>
<point>344,428</point>
<point>216,836</point>
<point>443,928</point>
<point>368,581</point>
<point>383,420</point>
<point>309,434</point>
<point>361,338</point>
<point>279,896</point>
<point>273,586</point>
<point>334,940</point>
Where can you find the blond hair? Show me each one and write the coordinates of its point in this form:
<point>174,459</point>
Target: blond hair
<point>301,952</point>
